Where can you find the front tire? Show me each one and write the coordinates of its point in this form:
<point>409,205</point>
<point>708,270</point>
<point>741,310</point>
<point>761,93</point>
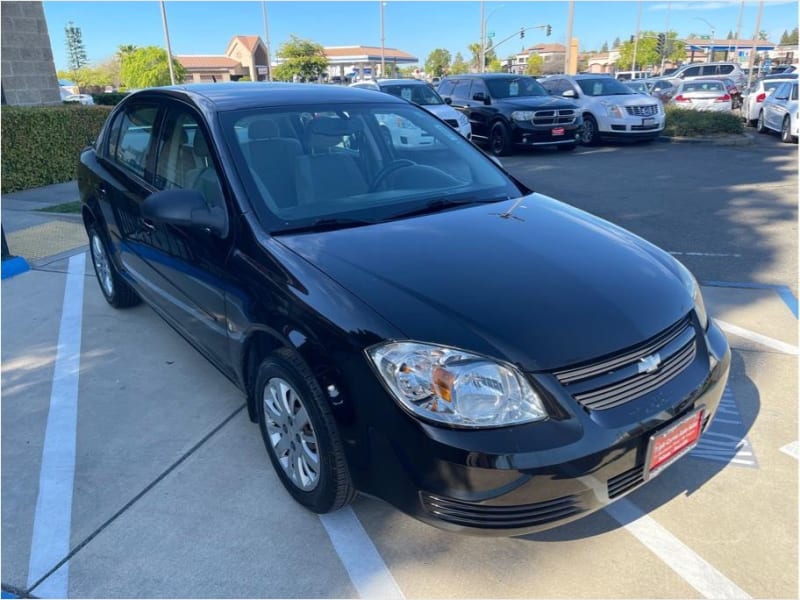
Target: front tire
<point>300,434</point>
<point>760,127</point>
<point>117,292</point>
<point>589,136</point>
<point>500,140</point>
<point>786,130</point>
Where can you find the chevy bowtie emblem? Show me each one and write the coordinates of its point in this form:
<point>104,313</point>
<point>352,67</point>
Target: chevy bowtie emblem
<point>649,363</point>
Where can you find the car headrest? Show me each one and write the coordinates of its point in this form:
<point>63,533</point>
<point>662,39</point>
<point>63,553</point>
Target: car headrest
<point>329,126</point>
<point>263,129</point>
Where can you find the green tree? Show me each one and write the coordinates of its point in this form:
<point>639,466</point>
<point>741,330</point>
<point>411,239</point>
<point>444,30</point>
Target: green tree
<point>731,35</point>
<point>438,62</point>
<point>300,57</point>
<point>792,38</point>
<point>475,50</point>
<point>616,43</point>
<point>148,67</point>
<point>535,64</point>
<point>646,54</point>
<point>407,72</point>
<point>784,38</point>
<point>605,47</point>
<point>459,66</point>
<point>76,51</point>
<point>495,66</point>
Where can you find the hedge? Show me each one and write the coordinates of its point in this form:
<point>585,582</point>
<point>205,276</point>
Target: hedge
<point>41,144</point>
<point>109,98</point>
<point>696,123</point>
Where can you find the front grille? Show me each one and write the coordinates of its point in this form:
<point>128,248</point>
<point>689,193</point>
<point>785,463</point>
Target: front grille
<point>452,122</point>
<point>623,482</point>
<point>645,110</point>
<point>563,116</point>
<point>469,514</point>
<point>618,379</point>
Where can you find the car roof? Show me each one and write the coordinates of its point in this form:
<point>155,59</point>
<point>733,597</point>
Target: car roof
<point>400,82</point>
<point>236,95</point>
<point>786,76</point>
<point>488,76</point>
<point>704,80</point>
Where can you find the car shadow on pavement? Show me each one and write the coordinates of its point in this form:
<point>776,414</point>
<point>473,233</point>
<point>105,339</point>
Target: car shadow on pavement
<point>685,477</point>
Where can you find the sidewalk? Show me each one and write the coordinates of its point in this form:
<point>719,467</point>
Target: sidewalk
<point>39,236</point>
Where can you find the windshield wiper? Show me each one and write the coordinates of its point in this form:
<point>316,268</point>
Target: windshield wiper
<point>442,203</point>
<point>327,224</point>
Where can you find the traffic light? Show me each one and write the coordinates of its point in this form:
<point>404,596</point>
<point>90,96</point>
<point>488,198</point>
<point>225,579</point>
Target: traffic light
<point>549,30</point>
<point>661,44</point>
<point>521,32</point>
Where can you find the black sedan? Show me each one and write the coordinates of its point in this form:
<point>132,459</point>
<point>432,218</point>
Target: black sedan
<point>410,322</point>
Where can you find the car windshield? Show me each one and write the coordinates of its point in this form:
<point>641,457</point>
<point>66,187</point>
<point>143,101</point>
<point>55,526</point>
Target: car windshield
<point>328,166</point>
<point>770,86</point>
<point>421,94</point>
<point>603,86</point>
<point>508,87</point>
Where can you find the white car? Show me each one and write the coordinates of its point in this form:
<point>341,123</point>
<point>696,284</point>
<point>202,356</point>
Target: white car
<point>703,94</point>
<point>779,112</point>
<point>424,95</point>
<point>758,92</point>
<point>84,99</point>
<point>610,109</point>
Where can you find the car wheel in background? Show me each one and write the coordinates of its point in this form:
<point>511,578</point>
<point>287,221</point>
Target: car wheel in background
<point>760,123</point>
<point>500,140</point>
<point>116,290</point>
<point>589,135</point>
<point>786,131</point>
<point>300,434</point>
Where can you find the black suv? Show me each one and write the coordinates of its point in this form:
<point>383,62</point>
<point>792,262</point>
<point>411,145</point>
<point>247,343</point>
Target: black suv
<point>510,110</point>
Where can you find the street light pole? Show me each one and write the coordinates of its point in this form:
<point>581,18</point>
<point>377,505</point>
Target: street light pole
<point>166,38</point>
<point>266,41</point>
<point>713,38</point>
<point>568,53</point>
<point>666,39</point>
<point>383,48</point>
<point>755,43</point>
<point>738,33</point>
<point>636,39</point>
<point>482,53</point>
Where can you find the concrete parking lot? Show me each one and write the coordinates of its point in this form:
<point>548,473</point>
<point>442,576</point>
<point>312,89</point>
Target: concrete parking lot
<point>130,468</point>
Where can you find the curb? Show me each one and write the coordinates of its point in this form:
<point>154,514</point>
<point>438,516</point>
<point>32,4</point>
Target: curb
<point>14,266</point>
<point>724,140</point>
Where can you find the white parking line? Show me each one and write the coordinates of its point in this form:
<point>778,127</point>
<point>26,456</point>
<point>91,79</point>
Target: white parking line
<point>792,449</point>
<point>758,338</point>
<point>369,574</point>
<point>680,558</point>
<point>53,518</point>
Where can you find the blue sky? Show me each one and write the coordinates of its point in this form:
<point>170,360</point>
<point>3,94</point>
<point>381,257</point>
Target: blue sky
<point>416,27</point>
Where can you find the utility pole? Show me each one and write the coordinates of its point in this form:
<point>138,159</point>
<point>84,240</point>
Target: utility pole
<point>738,33</point>
<point>666,39</point>
<point>482,55</point>
<point>166,37</point>
<point>383,48</point>
<point>567,54</point>
<point>636,39</point>
<point>266,41</point>
<point>755,43</point>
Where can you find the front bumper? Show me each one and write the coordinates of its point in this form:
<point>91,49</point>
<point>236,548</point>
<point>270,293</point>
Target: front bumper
<point>517,480</point>
<point>630,127</point>
<point>525,134</point>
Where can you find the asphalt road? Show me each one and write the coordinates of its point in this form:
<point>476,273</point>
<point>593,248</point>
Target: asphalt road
<point>170,492</point>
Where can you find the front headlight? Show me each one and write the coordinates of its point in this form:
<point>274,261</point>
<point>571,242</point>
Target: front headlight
<point>614,110</point>
<point>697,296</point>
<point>455,387</point>
<point>522,115</point>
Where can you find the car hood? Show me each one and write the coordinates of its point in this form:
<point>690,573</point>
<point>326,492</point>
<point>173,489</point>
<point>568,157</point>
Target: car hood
<point>632,99</point>
<point>536,102</point>
<point>443,111</point>
<point>546,287</point>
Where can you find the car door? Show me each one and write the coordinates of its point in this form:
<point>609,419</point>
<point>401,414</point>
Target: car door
<point>191,261</point>
<point>481,113</point>
<point>128,160</point>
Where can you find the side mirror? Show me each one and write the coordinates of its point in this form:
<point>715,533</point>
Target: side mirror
<point>185,208</point>
<point>569,94</point>
<point>448,100</point>
<point>481,97</point>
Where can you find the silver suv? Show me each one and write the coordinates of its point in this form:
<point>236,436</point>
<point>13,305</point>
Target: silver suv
<point>714,70</point>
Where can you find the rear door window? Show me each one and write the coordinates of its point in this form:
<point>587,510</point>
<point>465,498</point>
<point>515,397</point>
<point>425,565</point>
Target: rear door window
<point>692,72</point>
<point>135,136</point>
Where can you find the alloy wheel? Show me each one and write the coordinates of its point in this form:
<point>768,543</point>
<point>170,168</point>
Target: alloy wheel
<point>291,434</point>
<point>587,137</point>
<point>786,135</point>
<point>102,266</point>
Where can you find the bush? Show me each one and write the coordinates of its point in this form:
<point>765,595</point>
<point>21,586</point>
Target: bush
<point>108,99</point>
<point>695,123</point>
<point>41,144</point>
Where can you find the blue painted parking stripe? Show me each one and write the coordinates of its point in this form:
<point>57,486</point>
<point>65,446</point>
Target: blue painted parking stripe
<point>53,518</point>
<point>8,595</point>
<point>725,440</point>
<point>783,291</point>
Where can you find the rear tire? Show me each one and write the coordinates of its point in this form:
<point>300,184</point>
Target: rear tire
<point>300,434</point>
<point>786,130</point>
<point>117,292</point>
<point>760,127</point>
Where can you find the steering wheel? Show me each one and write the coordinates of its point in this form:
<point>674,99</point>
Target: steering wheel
<point>390,168</point>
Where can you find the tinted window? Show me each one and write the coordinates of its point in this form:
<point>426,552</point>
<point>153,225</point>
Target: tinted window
<point>603,86</point>
<point>703,86</point>
<point>794,92</point>
<point>135,133</point>
<point>691,72</point>
<point>462,89</point>
<point>446,87</point>
<point>421,94</point>
<point>508,87</point>
<point>726,69</point>
<point>478,87</point>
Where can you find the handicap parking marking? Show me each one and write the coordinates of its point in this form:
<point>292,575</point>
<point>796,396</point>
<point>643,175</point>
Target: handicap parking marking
<point>785,294</point>
<point>725,440</point>
<point>792,449</point>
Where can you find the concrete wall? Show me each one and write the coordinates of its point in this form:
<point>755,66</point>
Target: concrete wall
<point>26,60</point>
